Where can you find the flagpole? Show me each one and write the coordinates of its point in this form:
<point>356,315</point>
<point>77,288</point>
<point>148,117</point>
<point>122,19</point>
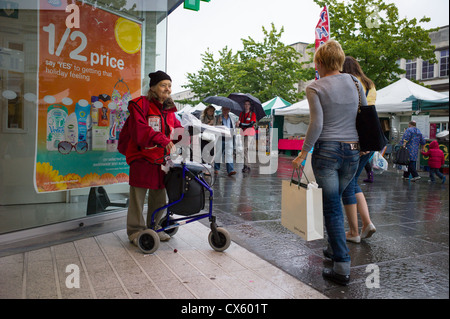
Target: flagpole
<point>322,31</point>
<point>329,29</point>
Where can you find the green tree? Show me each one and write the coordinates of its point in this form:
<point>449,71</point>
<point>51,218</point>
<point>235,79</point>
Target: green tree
<point>271,68</point>
<point>372,32</point>
<point>215,78</point>
<point>264,69</point>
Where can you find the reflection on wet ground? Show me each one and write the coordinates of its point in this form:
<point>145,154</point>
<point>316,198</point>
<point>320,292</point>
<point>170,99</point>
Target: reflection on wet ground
<point>409,251</point>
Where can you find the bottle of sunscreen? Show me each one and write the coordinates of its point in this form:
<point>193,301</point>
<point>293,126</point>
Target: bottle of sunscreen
<point>104,112</point>
<point>82,111</point>
<point>56,121</point>
<point>71,129</point>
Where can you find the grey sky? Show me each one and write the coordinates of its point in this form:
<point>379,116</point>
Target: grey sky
<point>221,23</point>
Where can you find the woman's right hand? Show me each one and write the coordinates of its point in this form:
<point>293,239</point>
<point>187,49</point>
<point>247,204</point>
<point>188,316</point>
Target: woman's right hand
<point>170,148</point>
<point>297,162</point>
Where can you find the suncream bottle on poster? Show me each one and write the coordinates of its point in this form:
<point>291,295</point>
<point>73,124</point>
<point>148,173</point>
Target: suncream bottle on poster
<point>89,132</point>
<point>95,112</point>
<point>112,121</point>
<point>82,110</point>
<point>94,109</point>
<point>56,120</point>
<point>71,129</point>
<point>104,113</point>
<point>103,116</point>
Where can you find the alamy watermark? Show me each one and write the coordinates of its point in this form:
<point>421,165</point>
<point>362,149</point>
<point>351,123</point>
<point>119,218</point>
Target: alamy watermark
<point>373,279</point>
<point>209,146</point>
<point>73,279</point>
<point>374,19</point>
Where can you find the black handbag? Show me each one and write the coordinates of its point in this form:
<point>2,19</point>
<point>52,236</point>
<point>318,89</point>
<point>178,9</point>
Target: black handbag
<point>402,156</point>
<point>371,136</point>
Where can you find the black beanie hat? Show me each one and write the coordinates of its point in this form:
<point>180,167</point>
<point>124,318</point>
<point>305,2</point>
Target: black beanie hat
<point>157,77</point>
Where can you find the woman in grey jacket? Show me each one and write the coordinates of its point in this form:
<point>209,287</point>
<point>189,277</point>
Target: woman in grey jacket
<point>333,102</point>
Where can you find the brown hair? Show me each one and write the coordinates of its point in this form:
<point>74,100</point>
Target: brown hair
<point>330,55</point>
<point>351,66</point>
<point>152,95</point>
<point>205,111</point>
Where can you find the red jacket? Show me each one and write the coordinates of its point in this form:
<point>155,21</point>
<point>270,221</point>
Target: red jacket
<point>150,126</point>
<point>246,122</point>
<point>435,156</point>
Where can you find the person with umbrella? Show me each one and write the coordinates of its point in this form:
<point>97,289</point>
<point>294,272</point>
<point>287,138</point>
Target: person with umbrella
<point>247,119</point>
<point>227,120</point>
<point>207,116</point>
<point>227,143</point>
<point>251,112</point>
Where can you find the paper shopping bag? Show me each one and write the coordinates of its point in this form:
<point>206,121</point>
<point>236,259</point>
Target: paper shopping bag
<point>307,171</point>
<point>301,209</point>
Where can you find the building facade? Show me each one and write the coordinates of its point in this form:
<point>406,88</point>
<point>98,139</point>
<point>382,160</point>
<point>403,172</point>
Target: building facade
<point>183,95</point>
<point>433,75</point>
<point>57,63</point>
<point>302,48</point>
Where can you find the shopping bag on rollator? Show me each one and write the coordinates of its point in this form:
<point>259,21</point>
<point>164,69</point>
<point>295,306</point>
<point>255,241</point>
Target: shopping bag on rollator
<point>301,207</point>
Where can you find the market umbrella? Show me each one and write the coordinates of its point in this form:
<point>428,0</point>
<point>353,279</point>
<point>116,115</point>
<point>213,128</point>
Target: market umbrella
<point>256,103</point>
<point>224,102</point>
<point>273,104</point>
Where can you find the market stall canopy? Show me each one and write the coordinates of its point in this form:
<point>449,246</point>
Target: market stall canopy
<point>403,95</point>
<point>299,108</point>
<point>185,109</point>
<point>274,104</point>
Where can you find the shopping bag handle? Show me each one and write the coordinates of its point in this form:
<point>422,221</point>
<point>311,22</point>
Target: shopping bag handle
<point>297,182</point>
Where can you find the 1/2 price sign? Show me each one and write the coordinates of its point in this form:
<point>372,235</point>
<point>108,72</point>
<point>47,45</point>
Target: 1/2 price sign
<point>87,75</point>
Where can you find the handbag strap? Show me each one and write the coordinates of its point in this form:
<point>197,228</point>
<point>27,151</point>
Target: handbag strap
<point>359,94</point>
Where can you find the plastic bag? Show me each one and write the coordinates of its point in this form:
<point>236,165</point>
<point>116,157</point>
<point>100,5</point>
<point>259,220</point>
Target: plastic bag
<point>379,163</point>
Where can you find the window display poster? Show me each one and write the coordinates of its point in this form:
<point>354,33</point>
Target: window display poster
<point>423,124</point>
<point>87,75</point>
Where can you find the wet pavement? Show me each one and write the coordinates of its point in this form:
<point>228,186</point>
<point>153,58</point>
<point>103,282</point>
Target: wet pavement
<point>408,256</point>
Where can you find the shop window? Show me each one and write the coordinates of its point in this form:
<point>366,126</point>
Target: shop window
<point>427,70</point>
<point>443,63</point>
<point>12,87</point>
<point>411,68</point>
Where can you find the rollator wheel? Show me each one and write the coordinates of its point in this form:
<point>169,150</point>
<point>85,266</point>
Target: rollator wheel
<point>223,242</point>
<point>163,223</point>
<point>148,241</point>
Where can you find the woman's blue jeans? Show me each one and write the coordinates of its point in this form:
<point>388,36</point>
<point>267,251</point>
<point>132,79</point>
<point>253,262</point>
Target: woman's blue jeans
<point>334,165</point>
<point>348,197</point>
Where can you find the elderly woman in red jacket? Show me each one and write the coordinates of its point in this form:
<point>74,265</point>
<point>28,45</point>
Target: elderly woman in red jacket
<point>150,125</point>
<point>435,160</point>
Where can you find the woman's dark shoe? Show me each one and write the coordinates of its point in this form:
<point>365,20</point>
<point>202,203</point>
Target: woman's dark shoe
<point>329,274</point>
<point>327,254</point>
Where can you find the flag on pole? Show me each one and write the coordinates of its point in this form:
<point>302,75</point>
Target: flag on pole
<point>322,31</point>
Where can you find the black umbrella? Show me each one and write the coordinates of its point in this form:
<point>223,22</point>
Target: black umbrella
<point>224,102</point>
<point>256,103</point>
